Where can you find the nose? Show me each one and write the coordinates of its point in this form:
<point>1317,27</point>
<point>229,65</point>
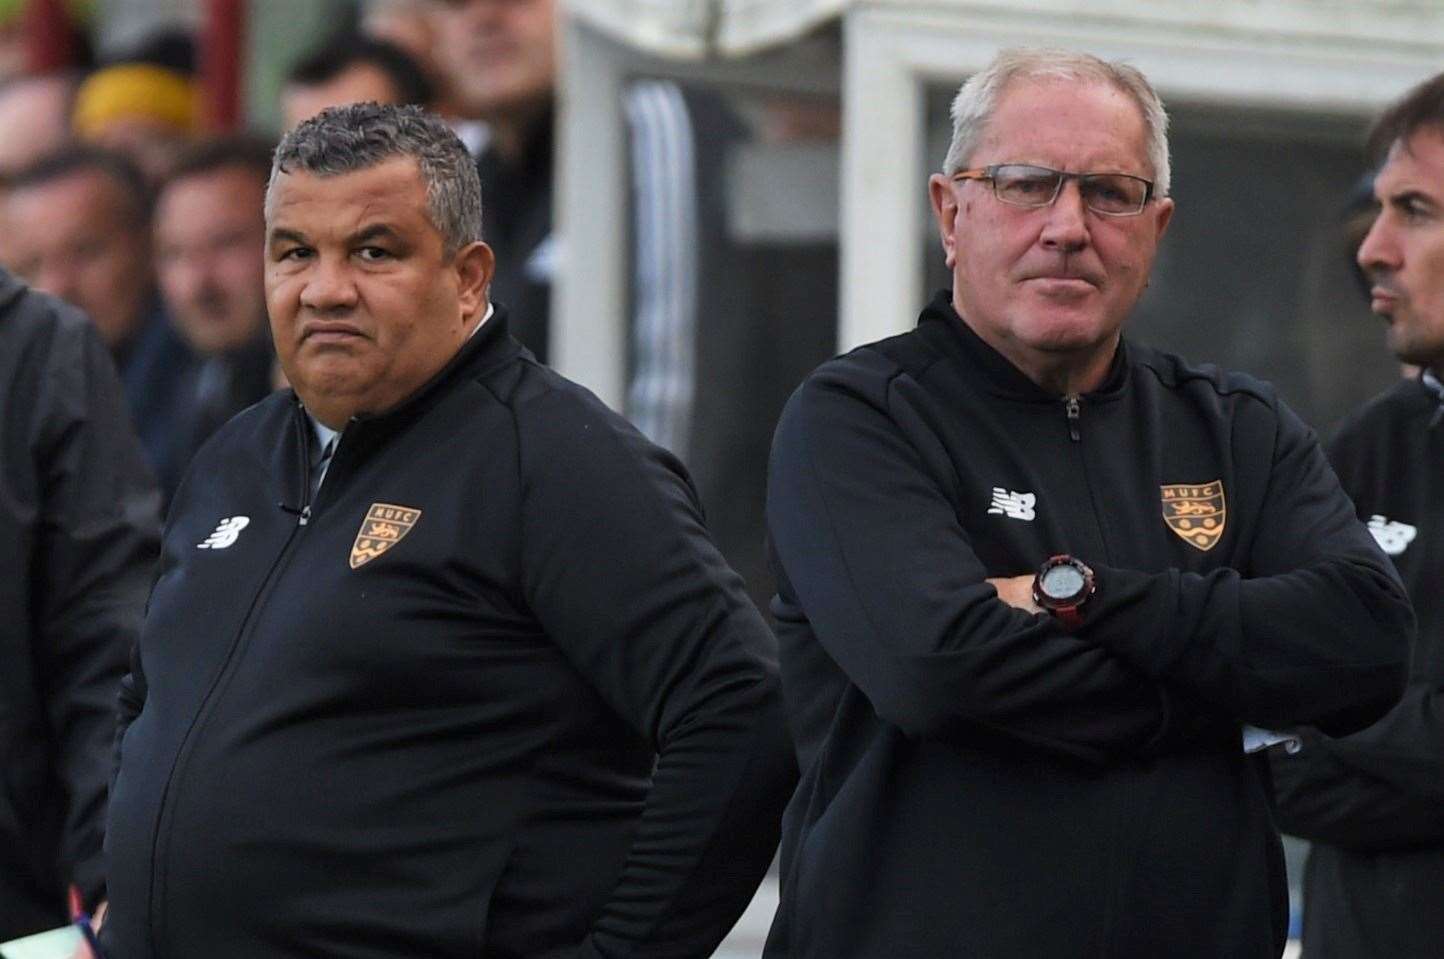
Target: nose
<point>1379,251</point>
<point>329,286</point>
<point>1066,227</point>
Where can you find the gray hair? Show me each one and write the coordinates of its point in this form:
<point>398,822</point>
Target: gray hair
<point>978,98</point>
<point>358,136</point>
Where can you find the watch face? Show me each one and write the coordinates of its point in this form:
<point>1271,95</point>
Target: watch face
<point>1062,582</point>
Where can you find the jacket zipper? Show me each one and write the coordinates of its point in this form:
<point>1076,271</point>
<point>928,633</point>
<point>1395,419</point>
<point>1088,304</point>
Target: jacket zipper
<point>164,819</point>
<point>1071,409</point>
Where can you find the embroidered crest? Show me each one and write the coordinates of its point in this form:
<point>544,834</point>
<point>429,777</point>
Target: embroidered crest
<point>1195,512</point>
<point>384,526</point>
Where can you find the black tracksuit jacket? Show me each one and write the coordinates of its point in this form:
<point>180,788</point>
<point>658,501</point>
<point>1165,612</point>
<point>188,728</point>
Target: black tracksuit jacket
<point>978,782</point>
<point>79,530</point>
<point>1373,802</point>
<point>544,722</point>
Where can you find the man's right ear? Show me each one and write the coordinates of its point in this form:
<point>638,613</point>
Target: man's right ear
<point>945,212</point>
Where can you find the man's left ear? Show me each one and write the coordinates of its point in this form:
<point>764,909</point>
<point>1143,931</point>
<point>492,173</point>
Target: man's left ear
<point>1164,215</point>
<point>475,264</point>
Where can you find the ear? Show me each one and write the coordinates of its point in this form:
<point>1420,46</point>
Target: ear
<point>474,265</point>
<point>1162,217</point>
<point>945,211</point>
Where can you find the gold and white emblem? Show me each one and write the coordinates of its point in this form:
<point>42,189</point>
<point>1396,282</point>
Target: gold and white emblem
<point>385,525</point>
<point>1196,512</point>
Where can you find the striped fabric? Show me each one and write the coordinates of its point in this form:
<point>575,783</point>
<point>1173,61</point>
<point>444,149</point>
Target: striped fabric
<point>663,386</point>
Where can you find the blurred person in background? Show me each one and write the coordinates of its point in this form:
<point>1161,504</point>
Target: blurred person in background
<point>78,225</point>
<point>352,69</point>
<point>209,234</point>
<point>142,103</point>
<point>40,107</point>
<point>497,59</point>
<point>409,25</point>
<point>78,535</point>
<point>1373,802</point>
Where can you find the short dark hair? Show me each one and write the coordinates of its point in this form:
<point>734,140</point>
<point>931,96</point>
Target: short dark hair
<point>348,50</point>
<point>358,136</point>
<point>71,160</point>
<point>1421,107</point>
<point>247,151</point>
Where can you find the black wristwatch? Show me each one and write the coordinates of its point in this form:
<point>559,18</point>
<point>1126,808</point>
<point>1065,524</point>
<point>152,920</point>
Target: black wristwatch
<point>1062,586</point>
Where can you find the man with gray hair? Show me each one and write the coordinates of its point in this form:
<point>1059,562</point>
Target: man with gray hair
<point>1042,590</point>
<point>440,660</point>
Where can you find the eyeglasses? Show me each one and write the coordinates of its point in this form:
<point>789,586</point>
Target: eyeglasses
<point>1018,184</point>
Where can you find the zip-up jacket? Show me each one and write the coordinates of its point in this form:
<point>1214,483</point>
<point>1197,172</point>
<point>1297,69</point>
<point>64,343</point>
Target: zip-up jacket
<point>1373,802</point>
<point>79,530</point>
<point>977,780</point>
<point>491,693</point>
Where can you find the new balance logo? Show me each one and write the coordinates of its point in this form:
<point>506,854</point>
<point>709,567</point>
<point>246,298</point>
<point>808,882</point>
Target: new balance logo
<point>1392,536</point>
<point>226,533</point>
<point>1013,505</point>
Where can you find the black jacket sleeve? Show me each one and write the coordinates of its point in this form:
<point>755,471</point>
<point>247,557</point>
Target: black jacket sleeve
<point>1323,797</point>
<point>868,538</point>
<point>97,543</point>
<point>620,571</point>
<point>1316,629</point>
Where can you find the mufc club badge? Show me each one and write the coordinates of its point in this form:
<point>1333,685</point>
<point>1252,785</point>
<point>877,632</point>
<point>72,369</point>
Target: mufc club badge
<point>385,525</point>
<point>1195,513</point>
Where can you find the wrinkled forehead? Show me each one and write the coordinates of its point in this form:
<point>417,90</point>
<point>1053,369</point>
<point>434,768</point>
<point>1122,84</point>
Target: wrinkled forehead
<point>391,188</point>
<point>1067,118</point>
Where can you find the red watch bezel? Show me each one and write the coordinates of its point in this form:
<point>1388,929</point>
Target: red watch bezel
<point>1068,612</point>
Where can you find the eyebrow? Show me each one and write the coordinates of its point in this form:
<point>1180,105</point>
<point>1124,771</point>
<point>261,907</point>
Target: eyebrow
<point>377,231</point>
<point>281,234</point>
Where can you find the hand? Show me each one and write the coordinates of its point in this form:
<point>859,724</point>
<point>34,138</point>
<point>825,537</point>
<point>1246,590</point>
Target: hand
<point>83,951</point>
<point>1016,591</point>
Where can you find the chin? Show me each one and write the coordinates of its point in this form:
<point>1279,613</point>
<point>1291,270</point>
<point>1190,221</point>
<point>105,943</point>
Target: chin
<point>1068,333</point>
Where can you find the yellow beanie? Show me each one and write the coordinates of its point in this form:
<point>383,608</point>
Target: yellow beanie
<point>134,90</point>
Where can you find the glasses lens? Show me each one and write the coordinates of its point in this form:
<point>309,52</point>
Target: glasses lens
<point>1025,185</point>
<point>1113,192</point>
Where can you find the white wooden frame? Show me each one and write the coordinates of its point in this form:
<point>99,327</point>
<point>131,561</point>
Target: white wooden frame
<point>589,323</point>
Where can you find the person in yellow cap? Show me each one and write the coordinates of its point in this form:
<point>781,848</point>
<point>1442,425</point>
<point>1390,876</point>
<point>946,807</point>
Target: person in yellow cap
<point>144,110</point>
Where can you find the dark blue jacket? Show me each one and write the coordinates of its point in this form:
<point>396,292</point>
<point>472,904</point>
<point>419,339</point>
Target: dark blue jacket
<point>492,693</point>
<point>1373,802</point>
<point>79,518</point>
<point>976,780</point>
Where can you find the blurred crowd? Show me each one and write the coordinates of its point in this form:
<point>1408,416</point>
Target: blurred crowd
<point>124,198</point>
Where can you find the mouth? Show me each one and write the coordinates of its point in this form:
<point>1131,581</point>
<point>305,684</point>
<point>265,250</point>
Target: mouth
<point>1383,301</point>
<point>330,332</point>
<point>1063,285</point>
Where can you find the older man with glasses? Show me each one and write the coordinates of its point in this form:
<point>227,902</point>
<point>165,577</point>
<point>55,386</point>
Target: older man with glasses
<point>1043,592</point>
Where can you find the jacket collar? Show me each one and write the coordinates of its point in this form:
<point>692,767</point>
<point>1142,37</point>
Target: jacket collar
<point>489,346</point>
<point>943,327</point>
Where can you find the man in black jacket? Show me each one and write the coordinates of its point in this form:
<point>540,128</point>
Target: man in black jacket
<point>1041,588</point>
<point>1373,802</point>
<point>78,525</point>
<point>440,660</point>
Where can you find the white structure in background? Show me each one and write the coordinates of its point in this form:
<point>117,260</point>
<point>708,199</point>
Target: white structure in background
<point>1344,57</point>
